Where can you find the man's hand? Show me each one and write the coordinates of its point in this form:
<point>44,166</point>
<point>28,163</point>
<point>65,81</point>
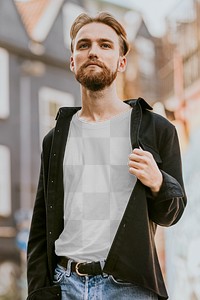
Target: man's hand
<point>144,167</point>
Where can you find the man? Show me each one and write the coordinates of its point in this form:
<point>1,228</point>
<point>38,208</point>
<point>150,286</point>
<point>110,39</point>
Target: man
<point>110,172</point>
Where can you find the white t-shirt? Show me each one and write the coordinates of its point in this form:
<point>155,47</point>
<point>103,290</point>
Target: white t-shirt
<point>97,186</point>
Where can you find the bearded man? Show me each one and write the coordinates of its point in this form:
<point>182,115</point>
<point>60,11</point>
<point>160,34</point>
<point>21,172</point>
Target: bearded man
<point>110,172</point>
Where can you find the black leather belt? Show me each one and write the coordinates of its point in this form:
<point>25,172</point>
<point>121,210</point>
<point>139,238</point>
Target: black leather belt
<point>83,268</point>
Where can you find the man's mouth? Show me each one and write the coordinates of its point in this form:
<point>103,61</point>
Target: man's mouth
<point>93,64</point>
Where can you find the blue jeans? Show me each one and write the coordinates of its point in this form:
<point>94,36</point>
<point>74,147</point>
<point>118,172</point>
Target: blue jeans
<point>98,287</point>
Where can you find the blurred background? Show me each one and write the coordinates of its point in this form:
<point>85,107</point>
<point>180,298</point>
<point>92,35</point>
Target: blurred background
<point>35,80</point>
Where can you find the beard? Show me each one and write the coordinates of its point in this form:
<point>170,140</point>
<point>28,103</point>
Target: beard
<point>95,80</point>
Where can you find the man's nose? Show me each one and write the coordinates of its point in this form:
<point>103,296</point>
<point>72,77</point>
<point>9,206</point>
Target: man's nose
<point>93,52</point>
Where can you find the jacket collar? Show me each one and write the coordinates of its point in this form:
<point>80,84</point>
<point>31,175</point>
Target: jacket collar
<point>69,111</point>
<point>140,101</point>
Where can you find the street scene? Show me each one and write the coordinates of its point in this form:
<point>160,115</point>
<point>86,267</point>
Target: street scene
<point>36,80</point>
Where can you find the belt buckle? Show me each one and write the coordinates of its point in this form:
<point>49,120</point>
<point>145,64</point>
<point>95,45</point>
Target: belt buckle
<point>77,270</point>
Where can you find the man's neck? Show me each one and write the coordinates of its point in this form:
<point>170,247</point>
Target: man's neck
<point>101,105</point>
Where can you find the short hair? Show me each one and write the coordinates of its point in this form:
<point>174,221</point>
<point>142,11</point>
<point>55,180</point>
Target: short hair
<point>105,18</point>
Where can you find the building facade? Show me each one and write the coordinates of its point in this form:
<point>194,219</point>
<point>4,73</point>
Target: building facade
<point>181,99</point>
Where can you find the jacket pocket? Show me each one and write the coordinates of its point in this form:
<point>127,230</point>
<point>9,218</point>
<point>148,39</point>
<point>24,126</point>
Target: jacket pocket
<point>48,293</point>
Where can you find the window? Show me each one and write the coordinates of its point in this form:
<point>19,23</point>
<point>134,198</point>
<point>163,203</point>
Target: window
<point>146,56</point>
<point>5,182</point>
<point>70,12</point>
<point>50,100</point>
<point>4,84</point>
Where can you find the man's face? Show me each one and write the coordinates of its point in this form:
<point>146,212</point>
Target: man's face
<point>96,58</point>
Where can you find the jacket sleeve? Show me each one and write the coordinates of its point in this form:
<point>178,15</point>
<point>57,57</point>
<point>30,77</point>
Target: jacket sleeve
<point>167,207</point>
<point>37,270</point>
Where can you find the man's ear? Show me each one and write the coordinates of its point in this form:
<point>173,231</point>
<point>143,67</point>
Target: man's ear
<point>72,63</point>
<point>122,64</point>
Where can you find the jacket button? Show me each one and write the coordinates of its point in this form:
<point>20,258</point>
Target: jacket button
<point>51,206</point>
<point>50,232</point>
<point>54,154</point>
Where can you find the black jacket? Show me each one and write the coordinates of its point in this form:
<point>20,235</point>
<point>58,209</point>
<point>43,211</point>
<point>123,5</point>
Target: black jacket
<point>132,256</point>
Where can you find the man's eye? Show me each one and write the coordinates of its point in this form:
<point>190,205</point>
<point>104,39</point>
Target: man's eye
<point>83,46</point>
<point>105,45</point>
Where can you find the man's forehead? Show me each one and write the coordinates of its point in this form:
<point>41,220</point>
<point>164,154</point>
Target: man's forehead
<point>97,31</point>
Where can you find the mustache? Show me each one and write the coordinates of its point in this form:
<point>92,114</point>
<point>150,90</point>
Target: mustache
<point>93,62</point>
